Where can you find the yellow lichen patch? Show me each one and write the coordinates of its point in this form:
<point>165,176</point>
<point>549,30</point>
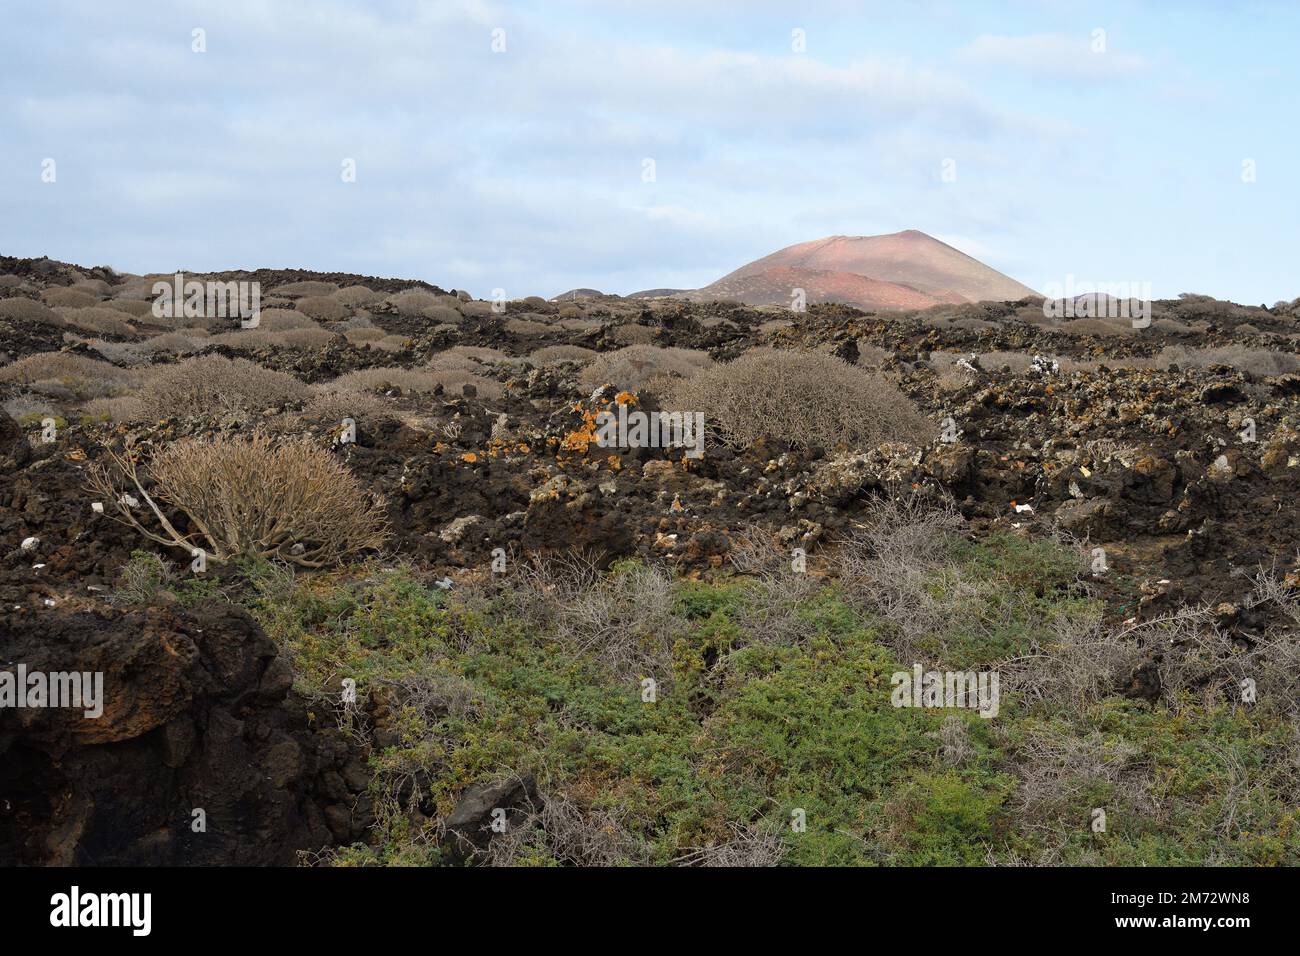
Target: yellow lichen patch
<point>626,398</point>
<point>470,457</point>
<point>615,462</point>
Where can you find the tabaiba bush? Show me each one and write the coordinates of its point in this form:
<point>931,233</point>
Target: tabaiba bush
<point>212,385</point>
<point>289,500</point>
<point>806,398</point>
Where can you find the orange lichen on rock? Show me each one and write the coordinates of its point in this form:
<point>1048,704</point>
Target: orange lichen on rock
<point>580,439</point>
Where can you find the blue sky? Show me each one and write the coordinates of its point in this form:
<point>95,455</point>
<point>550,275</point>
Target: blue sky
<point>523,169</point>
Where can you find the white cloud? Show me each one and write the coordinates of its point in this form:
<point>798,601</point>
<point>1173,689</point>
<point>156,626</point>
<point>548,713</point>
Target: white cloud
<point>1053,54</point>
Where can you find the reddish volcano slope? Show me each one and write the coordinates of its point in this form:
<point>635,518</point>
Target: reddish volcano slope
<point>904,270</point>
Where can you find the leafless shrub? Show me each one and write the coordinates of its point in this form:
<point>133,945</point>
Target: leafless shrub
<point>124,408</point>
<point>634,367</point>
<point>749,846</point>
<point>280,320</point>
<point>364,335</point>
<point>1259,363</point>
<point>563,831</point>
<point>309,287</point>
<point>896,565</point>
<point>1078,662</point>
<point>479,353</point>
<point>526,327</point>
<point>954,740</point>
<point>73,374</point>
<point>625,621</point>
<point>69,298</point>
<point>301,338</point>
<point>213,385</point>
<point>29,311</point>
<point>101,320</point>
<point>1057,769</point>
<point>293,501</point>
<point>323,308</point>
<point>805,398</point>
<point>1100,327</point>
<point>136,308</point>
<point>552,354</point>
<point>328,405</point>
<point>426,381</point>
<point>357,296</point>
<point>414,301</point>
<point>632,334</point>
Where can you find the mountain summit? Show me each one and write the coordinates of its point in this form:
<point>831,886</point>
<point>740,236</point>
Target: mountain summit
<point>902,270</point>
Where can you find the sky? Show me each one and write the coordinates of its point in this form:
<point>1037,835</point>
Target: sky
<point>534,147</point>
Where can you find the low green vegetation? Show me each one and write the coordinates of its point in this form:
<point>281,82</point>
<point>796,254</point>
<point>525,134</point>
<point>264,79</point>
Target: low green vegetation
<point>772,708</point>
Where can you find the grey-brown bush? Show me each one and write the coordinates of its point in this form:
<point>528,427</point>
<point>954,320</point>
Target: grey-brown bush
<point>293,290</point>
<point>636,366</point>
<point>290,501</point>
<point>323,308</point>
<point>27,310</point>
<point>805,398</point>
<point>212,385</point>
<point>562,353</point>
<point>70,298</point>
<point>84,377</point>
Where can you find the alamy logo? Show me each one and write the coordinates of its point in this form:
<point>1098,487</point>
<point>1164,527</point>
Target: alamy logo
<point>103,909</point>
<point>1099,300</point>
<point>37,689</point>
<point>967,689</point>
<point>218,300</point>
<point>651,430</point>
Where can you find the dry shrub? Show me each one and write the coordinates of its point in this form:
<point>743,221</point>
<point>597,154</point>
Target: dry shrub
<point>424,381</point>
<point>323,308</point>
<point>75,375</point>
<point>301,338</point>
<point>290,501</point>
<point>1259,363</point>
<point>572,835</point>
<point>442,315</point>
<point>632,334</point>
<point>888,564</point>
<point>133,307</point>
<point>101,320</point>
<point>479,353</point>
<point>750,846</point>
<point>627,621</point>
<point>27,310</point>
<point>69,298</point>
<point>1100,327</point>
<point>634,367</point>
<point>476,308</point>
<point>10,281</point>
<point>281,320</point>
<point>310,287</point>
<point>805,398</point>
<point>214,385</point>
<point>414,301</point>
<point>362,335</point>
<point>124,408</point>
<point>119,353</point>
<point>562,353</point>
<point>1058,770</point>
<point>96,287</point>
<point>1078,662</point>
<point>181,342</point>
<point>331,406</point>
<point>526,327</point>
<point>354,296</point>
